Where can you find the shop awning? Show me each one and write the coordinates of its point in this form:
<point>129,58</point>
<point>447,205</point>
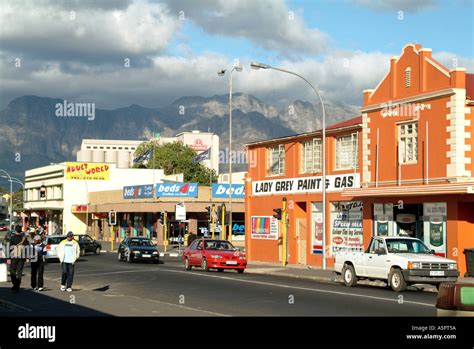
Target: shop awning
<point>410,190</point>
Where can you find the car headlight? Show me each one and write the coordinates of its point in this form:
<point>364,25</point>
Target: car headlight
<point>414,265</point>
<point>215,256</point>
<point>453,266</point>
<point>134,251</point>
<point>242,257</point>
<point>155,252</point>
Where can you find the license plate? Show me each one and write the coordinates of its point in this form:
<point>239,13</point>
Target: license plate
<point>146,255</point>
<point>231,263</point>
<point>436,273</point>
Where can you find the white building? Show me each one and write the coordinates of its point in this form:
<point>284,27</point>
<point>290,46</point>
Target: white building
<point>62,203</point>
<point>121,152</point>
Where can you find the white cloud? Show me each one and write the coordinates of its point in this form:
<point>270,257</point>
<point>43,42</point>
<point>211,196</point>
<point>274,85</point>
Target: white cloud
<point>270,24</point>
<point>74,30</point>
<point>396,5</point>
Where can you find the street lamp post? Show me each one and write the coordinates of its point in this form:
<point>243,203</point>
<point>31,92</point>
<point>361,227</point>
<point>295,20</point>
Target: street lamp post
<point>222,72</point>
<point>11,196</point>
<point>254,65</point>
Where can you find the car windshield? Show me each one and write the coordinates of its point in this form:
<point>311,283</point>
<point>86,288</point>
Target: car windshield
<point>140,242</point>
<point>55,240</point>
<point>406,246</point>
<point>218,245</point>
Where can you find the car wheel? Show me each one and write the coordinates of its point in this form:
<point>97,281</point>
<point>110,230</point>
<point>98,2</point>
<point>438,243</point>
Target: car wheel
<point>220,270</point>
<point>129,259</point>
<point>97,250</point>
<point>82,253</point>
<point>204,265</point>
<point>240,271</point>
<point>397,281</point>
<point>187,266</point>
<point>349,276</point>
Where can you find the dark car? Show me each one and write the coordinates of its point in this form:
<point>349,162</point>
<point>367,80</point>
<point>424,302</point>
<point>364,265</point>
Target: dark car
<point>138,249</point>
<point>88,244</point>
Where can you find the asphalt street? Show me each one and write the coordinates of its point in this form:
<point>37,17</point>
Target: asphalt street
<point>103,286</point>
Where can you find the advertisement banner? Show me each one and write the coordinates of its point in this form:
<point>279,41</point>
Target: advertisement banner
<point>305,184</point>
<point>317,235</point>
<point>138,191</point>
<point>238,231</point>
<point>434,226</point>
<point>220,190</point>
<point>87,171</point>
<point>264,228</point>
<point>346,226</point>
<point>180,212</point>
<point>177,189</point>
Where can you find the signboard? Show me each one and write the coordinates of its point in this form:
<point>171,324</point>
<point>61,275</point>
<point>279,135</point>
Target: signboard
<point>87,171</point>
<point>317,226</point>
<point>138,191</point>
<point>346,226</point>
<point>434,226</point>
<point>177,189</point>
<point>220,190</point>
<point>383,219</point>
<point>264,228</point>
<point>238,231</point>
<point>180,212</point>
<point>305,184</point>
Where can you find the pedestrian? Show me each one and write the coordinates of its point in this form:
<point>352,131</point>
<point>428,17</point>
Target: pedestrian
<point>37,264</point>
<point>17,257</point>
<point>191,238</point>
<point>68,253</point>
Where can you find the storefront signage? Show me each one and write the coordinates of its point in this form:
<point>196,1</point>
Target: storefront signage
<point>317,234</point>
<point>177,189</point>
<point>264,228</point>
<point>87,171</point>
<point>222,191</point>
<point>180,212</point>
<point>346,226</point>
<point>138,191</point>
<point>305,184</point>
<point>434,226</point>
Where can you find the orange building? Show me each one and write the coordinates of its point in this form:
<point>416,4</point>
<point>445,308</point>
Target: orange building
<point>405,167</point>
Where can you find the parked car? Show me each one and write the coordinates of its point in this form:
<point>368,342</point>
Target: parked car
<point>214,254</point>
<point>401,261</point>
<point>3,227</point>
<point>88,244</point>
<point>138,249</point>
<point>51,246</point>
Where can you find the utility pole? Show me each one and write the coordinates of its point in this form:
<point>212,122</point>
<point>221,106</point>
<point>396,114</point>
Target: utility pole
<point>213,219</point>
<point>284,233</point>
<point>165,231</point>
<point>223,230</point>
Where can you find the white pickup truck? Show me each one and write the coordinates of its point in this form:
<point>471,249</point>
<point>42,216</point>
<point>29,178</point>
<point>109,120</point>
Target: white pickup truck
<point>400,261</point>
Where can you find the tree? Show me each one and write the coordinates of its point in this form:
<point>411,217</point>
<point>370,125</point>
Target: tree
<point>175,158</point>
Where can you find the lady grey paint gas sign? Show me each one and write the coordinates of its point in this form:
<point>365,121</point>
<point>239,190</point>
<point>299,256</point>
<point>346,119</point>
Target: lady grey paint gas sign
<point>305,184</point>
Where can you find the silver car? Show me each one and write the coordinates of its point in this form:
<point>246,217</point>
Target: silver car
<point>51,246</point>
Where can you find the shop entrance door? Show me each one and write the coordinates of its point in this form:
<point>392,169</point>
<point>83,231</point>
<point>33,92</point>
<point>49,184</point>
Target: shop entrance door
<point>301,239</point>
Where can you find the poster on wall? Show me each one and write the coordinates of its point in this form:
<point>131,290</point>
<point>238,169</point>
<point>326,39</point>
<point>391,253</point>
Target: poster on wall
<point>346,226</point>
<point>383,219</point>
<point>317,234</point>
<point>87,171</point>
<point>434,226</point>
<point>264,228</point>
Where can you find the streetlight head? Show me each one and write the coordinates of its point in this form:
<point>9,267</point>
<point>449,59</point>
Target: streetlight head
<point>255,65</point>
<point>238,67</point>
<point>221,72</point>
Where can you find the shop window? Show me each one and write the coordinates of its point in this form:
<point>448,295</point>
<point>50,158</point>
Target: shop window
<point>276,160</point>
<point>346,152</point>
<point>408,142</point>
<point>311,152</point>
<point>408,77</point>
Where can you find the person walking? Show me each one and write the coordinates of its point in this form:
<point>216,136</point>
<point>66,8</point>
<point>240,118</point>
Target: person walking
<point>17,257</point>
<point>37,264</point>
<point>68,252</point>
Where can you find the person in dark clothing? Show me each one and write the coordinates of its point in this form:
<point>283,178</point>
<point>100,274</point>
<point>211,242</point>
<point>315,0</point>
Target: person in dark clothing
<point>37,264</point>
<point>17,257</point>
<point>191,238</point>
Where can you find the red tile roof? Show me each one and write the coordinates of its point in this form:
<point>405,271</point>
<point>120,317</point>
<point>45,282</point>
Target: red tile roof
<point>351,122</point>
<point>470,86</point>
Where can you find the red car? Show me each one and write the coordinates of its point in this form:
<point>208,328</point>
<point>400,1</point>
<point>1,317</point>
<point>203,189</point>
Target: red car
<point>214,254</point>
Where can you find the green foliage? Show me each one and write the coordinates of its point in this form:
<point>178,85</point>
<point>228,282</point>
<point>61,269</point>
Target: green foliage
<point>175,158</point>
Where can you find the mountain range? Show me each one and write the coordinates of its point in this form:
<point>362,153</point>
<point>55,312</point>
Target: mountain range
<point>31,134</point>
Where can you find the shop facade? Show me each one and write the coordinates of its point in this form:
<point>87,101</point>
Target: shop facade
<point>411,170</point>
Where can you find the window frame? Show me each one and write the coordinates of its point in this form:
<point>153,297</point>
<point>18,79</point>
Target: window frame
<point>402,156</point>
<point>355,152</point>
<point>281,160</point>
<point>315,149</point>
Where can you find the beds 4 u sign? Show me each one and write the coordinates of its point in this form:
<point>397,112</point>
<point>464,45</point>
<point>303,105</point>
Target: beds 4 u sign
<point>222,191</point>
<point>177,189</point>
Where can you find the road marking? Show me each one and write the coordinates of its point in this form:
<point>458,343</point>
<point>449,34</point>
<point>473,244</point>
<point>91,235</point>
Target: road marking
<point>301,288</point>
<point>14,305</point>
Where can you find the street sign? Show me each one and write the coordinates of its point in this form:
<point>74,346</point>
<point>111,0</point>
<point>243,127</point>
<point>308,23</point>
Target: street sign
<point>180,212</point>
